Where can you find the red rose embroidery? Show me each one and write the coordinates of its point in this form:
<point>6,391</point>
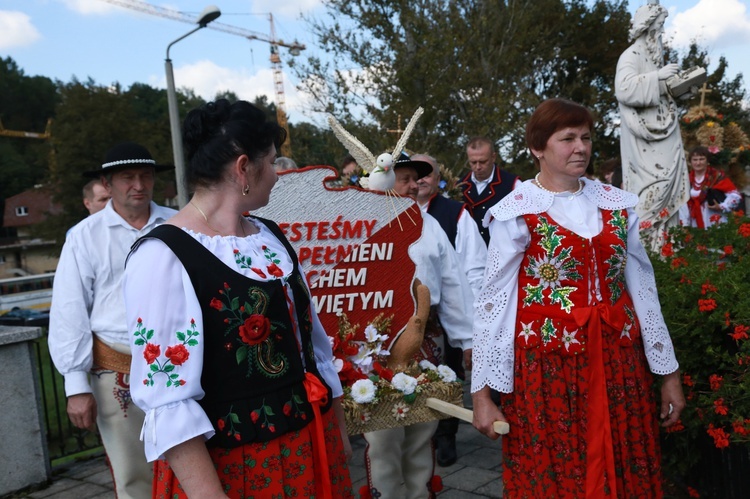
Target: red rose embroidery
<point>258,271</point>
<point>217,304</point>
<point>255,329</point>
<point>151,352</point>
<point>274,270</point>
<point>178,354</point>
<point>254,416</point>
<point>220,424</point>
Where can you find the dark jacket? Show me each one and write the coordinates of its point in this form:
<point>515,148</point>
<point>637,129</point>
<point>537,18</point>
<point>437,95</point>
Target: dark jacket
<point>478,204</point>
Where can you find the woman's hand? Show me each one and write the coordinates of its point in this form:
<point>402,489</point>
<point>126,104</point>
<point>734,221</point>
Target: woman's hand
<point>486,413</point>
<point>672,399</point>
<point>467,359</point>
<point>338,410</point>
<point>714,206</point>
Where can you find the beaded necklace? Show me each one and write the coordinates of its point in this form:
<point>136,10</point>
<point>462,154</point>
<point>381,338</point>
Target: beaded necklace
<point>539,184</point>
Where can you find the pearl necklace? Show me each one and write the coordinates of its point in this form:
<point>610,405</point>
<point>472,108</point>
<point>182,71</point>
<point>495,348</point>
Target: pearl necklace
<point>205,218</point>
<point>539,184</point>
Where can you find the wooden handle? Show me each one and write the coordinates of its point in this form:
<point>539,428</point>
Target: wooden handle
<point>500,427</point>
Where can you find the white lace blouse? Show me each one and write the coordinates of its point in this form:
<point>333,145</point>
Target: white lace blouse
<point>159,296</point>
<point>495,307</point>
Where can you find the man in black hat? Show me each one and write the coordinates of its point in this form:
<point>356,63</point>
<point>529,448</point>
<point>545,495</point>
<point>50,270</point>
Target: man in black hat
<point>464,236</point>
<point>88,339</point>
<point>400,461</point>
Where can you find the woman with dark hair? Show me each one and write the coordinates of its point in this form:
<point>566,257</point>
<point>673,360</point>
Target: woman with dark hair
<point>231,364</point>
<point>712,193</point>
<point>567,326</point>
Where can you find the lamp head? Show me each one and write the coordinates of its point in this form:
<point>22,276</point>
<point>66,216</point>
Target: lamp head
<point>296,48</point>
<point>209,14</point>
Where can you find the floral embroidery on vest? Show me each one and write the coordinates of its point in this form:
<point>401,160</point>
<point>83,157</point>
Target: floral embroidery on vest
<point>256,331</point>
<point>615,275</point>
<point>176,355</point>
<point>550,269</point>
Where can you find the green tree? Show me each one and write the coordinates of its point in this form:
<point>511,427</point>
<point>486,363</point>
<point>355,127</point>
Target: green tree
<point>477,67</point>
<point>727,96</point>
<point>89,120</point>
<point>26,104</point>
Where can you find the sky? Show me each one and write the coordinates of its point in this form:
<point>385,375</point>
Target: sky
<point>63,39</point>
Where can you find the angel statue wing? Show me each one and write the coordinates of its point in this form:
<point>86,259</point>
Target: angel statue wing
<point>357,149</point>
<point>405,136</point>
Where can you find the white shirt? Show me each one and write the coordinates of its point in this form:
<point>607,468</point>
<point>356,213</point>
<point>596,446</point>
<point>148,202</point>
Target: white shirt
<point>87,293</point>
<point>482,184</point>
<point>496,307</point>
<point>470,247</point>
<point>436,262</point>
<point>158,291</point>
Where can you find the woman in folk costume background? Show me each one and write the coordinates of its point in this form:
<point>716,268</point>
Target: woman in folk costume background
<point>231,363</point>
<point>567,326</point>
<point>712,193</point>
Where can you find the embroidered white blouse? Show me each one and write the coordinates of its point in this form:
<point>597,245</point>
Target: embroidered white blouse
<point>159,296</point>
<point>495,308</point>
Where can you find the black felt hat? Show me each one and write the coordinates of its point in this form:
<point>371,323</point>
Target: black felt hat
<point>126,155</point>
<point>423,168</point>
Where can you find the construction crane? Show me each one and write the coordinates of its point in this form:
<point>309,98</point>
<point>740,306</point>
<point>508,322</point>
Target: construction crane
<point>4,132</point>
<point>278,77</point>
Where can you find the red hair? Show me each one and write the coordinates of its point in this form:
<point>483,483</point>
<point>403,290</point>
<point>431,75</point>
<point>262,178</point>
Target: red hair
<point>553,115</point>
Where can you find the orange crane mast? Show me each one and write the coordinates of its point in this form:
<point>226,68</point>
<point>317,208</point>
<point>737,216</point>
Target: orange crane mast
<point>278,77</point>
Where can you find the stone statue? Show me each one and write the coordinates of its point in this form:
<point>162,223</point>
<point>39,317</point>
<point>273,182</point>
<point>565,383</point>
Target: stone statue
<point>653,159</point>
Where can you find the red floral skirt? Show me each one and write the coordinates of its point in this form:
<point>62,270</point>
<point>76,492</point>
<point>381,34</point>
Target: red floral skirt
<point>548,452</point>
<point>283,467</point>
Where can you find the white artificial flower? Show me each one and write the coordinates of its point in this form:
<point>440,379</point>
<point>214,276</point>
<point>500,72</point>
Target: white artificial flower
<point>371,334</point>
<point>363,391</point>
<point>399,410</point>
<point>363,358</point>
<point>446,373</point>
<point>427,365</point>
<point>404,383</point>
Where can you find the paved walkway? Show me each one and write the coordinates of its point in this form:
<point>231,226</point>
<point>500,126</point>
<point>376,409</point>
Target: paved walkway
<point>476,474</point>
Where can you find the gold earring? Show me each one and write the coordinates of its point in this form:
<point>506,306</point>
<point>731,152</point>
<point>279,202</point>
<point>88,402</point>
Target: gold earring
<point>246,189</point>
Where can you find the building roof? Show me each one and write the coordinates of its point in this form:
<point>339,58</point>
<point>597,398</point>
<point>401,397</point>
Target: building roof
<point>29,207</point>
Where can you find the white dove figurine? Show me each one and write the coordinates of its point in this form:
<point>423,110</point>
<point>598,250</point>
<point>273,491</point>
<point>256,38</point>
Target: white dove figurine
<point>380,175</point>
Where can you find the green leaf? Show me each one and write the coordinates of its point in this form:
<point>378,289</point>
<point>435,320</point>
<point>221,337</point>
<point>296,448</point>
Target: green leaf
<point>235,304</point>
<point>241,354</point>
<point>234,417</point>
<point>181,336</point>
<point>192,343</point>
<point>409,399</point>
<point>267,409</point>
<point>140,342</point>
<point>169,368</point>
<point>154,367</point>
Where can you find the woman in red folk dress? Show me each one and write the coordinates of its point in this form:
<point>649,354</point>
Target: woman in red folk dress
<point>567,327</point>
<point>712,193</point>
<point>231,364</point>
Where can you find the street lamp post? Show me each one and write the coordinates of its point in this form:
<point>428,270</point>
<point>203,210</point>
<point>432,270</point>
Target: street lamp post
<point>209,14</point>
